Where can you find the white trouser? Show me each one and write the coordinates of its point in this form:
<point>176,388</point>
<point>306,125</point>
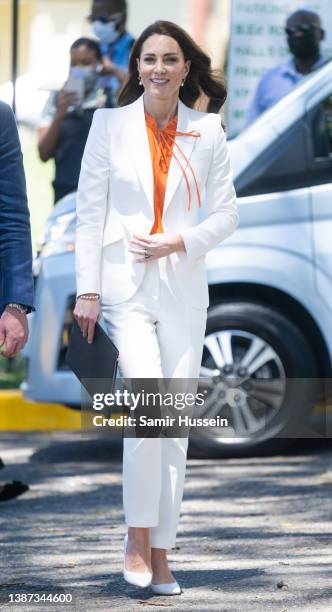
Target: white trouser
<point>158,336</point>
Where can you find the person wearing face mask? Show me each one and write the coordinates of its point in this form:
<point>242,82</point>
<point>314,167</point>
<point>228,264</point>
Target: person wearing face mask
<point>108,20</point>
<point>304,34</point>
<point>68,114</point>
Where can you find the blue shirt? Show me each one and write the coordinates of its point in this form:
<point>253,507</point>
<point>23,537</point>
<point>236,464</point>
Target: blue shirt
<point>274,85</point>
<point>119,53</point>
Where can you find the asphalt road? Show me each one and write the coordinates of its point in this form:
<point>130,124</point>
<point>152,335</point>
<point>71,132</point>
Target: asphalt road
<point>255,534</point>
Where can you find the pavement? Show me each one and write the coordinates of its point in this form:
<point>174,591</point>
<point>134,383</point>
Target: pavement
<point>255,534</point>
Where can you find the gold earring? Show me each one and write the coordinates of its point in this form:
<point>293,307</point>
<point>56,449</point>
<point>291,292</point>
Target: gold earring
<point>183,82</point>
<point>139,80</point>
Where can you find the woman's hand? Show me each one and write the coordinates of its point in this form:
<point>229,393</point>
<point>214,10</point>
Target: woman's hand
<point>155,246</point>
<point>86,313</point>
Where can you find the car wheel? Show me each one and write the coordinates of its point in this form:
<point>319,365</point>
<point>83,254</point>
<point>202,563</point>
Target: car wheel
<point>258,372</point>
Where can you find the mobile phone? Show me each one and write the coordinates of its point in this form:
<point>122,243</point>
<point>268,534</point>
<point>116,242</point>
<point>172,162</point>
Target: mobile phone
<point>75,84</point>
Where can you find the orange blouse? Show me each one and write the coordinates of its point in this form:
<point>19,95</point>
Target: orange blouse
<point>162,141</point>
<point>161,153</point>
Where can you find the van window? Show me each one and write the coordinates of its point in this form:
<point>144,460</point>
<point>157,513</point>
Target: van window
<point>320,144</point>
<point>321,128</point>
<point>280,167</point>
<point>301,157</point>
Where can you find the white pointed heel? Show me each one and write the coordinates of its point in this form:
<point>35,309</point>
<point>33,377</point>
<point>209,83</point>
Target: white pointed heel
<point>141,579</point>
<point>168,588</point>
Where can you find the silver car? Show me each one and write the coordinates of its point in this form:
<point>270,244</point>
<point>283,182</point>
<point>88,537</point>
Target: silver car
<point>269,331</point>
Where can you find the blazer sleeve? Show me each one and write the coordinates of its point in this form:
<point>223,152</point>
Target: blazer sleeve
<point>222,213</point>
<point>16,278</point>
<point>92,198</point>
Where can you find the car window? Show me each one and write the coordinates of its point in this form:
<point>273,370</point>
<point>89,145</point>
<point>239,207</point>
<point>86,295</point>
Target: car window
<point>321,128</point>
<point>320,144</point>
<point>280,167</point>
<point>301,157</point>
<point>328,121</point>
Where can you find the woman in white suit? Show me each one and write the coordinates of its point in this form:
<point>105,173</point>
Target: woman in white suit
<point>140,258</point>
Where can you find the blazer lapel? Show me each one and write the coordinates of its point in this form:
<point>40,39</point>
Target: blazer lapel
<point>139,148</point>
<point>184,144</point>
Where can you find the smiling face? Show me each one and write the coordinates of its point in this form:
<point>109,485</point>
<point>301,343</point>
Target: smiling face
<point>162,66</point>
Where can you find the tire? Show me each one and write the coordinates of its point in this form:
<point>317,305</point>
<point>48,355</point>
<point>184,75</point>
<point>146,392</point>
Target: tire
<point>243,325</point>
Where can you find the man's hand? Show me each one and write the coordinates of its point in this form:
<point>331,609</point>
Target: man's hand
<point>155,246</point>
<point>14,331</point>
<point>109,68</point>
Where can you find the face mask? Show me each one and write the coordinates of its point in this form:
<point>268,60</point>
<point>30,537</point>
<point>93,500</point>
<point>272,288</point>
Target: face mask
<point>303,47</point>
<point>106,32</point>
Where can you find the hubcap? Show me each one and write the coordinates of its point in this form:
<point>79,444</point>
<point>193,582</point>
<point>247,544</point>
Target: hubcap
<point>244,382</point>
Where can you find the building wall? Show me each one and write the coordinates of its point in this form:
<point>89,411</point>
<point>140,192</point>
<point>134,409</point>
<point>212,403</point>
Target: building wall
<point>5,40</point>
<point>46,30</point>
<point>208,23</point>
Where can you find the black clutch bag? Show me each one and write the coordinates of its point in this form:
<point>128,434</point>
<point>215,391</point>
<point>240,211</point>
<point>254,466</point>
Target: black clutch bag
<point>95,364</point>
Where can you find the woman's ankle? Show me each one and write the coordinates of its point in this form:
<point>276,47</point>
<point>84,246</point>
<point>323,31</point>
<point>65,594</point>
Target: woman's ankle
<point>139,533</point>
<point>159,555</point>
<point>159,550</point>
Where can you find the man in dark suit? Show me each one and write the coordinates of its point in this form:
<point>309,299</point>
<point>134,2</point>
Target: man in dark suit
<point>16,281</point>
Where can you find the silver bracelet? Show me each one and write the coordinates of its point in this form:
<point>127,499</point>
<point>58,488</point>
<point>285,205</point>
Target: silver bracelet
<point>18,307</point>
<point>88,296</point>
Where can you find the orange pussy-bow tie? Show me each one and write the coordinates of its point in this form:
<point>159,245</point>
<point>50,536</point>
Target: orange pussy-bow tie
<point>167,136</point>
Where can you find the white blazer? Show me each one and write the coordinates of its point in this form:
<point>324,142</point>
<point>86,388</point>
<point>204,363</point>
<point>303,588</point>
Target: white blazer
<point>115,200</point>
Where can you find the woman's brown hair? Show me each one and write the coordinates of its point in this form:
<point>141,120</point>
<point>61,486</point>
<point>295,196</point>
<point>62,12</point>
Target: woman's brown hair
<point>201,77</point>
